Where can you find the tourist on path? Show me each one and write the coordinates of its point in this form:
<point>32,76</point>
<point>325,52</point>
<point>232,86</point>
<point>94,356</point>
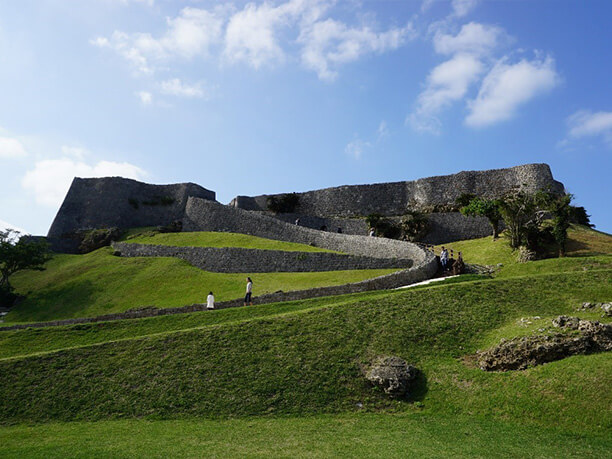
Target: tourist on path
<point>444,258</point>
<point>458,265</point>
<point>249,292</point>
<point>210,301</point>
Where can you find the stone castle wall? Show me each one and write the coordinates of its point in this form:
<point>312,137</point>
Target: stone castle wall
<point>123,203</point>
<point>203,215</point>
<point>239,260</point>
<point>424,194</point>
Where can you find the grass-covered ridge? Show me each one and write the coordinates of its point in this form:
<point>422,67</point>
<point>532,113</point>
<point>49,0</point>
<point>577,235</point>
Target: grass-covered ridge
<point>288,375</point>
<point>308,362</point>
<point>100,283</point>
<point>218,239</point>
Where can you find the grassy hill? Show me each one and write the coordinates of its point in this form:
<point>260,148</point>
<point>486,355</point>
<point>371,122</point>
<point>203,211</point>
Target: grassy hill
<point>216,239</point>
<point>285,379</point>
<point>100,283</point>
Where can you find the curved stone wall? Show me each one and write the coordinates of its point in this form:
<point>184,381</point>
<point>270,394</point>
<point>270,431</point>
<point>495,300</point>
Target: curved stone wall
<point>424,194</point>
<point>239,260</point>
<point>203,215</point>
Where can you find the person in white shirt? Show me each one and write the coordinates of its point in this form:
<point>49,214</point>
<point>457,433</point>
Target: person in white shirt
<point>210,301</point>
<point>249,291</point>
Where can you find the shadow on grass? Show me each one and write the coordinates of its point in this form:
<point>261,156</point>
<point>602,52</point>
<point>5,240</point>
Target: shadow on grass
<point>50,303</point>
<point>418,388</point>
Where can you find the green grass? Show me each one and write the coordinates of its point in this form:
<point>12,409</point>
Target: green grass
<point>217,239</point>
<point>585,247</point>
<point>100,283</point>
<point>308,362</point>
<point>360,435</point>
<point>286,379</point>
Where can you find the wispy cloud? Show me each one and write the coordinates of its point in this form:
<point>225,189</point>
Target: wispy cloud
<point>50,179</point>
<point>356,148</point>
<point>258,35</point>
<point>146,98</point>
<point>176,87</point>
<point>507,87</point>
<point>328,44</point>
<point>190,34</point>
<point>587,124</point>
<point>11,148</point>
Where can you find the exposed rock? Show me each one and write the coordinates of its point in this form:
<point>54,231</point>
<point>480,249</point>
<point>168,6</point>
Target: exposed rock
<point>606,308</point>
<point>525,255</point>
<point>392,374</point>
<point>580,337</point>
<point>94,239</point>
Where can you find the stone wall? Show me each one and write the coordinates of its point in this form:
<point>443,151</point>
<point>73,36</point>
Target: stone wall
<point>203,215</point>
<point>123,203</point>
<point>239,260</point>
<point>424,194</point>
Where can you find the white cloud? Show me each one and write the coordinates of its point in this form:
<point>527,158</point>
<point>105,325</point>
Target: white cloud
<point>5,226</point>
<point>463,7</point>
<point>507,87</point>
<point>49,180</point>
<point>190,34</point>
<point>356,148</point>
<point>329,43</point>
<point>11,148</point>
<point>176,87</point>
<point>585,123</point>
<point>146,98</point>
<point>74,152</point>
<point>473,38</point>
<point>447,83</point>
<point>383,130</point>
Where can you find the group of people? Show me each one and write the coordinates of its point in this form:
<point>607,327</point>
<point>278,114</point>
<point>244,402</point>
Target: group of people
<point>248,297</point>
<point>448,262</point>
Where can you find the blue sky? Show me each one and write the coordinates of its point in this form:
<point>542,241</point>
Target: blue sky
<point>291,95</point>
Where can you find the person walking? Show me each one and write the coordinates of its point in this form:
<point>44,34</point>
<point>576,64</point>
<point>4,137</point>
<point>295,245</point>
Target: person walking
<point>444,258</point>
<point>249,292</point>
<point>210,301</point>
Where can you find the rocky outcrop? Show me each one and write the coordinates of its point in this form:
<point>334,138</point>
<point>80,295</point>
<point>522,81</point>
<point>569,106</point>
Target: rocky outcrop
<point>391,374</point>
<point>578,337</point>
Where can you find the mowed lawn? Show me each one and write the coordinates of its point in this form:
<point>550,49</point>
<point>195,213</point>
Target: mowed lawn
<point>348,435</point>
<point>286,379</point>
<point>100,283</point>
<point>218,239</point>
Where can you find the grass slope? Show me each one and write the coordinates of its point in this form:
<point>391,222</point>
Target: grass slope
<point>100,283</point>
<point>363,435</point>
<point>217,239</point>
<point>308,362</point>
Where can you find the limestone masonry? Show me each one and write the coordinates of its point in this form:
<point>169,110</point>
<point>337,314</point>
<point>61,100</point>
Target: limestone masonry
<point>123,203</point>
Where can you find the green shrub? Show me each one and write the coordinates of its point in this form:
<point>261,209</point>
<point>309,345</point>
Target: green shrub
<point>284,203</point>
<point>414,225</point>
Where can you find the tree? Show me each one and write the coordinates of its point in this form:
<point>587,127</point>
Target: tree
<point>580,216</point>
<point>483,207</point>
<point>520,211</point>
<point>561,212</point>
<point>18,254</point>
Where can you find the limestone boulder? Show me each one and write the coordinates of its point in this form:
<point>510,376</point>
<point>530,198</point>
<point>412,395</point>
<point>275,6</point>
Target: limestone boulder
<point>392,374</point>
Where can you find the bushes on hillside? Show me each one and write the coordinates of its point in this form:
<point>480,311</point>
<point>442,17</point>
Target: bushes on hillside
<point>283,204</point>
<point>18,254</point>
<point>534,221</point>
